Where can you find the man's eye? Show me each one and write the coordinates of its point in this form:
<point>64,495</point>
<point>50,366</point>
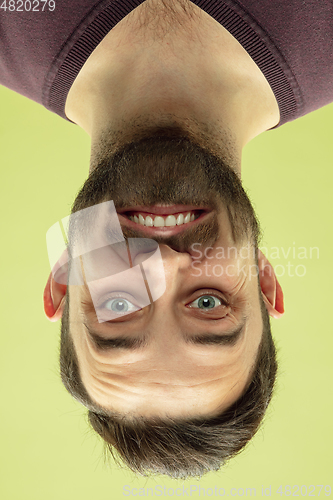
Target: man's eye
<point>120,305</point>
<point>206,302</point>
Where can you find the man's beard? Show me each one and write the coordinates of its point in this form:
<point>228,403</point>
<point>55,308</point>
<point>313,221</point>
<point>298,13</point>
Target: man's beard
<point>169,167</point>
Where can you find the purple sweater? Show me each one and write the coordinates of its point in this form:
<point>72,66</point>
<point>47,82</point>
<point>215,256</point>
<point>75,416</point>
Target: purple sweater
<point>291,41</point>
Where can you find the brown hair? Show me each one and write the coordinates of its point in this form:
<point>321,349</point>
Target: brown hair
<point>179,448</point>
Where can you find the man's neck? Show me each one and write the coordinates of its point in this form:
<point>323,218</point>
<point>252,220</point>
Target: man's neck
<point>193,71</point>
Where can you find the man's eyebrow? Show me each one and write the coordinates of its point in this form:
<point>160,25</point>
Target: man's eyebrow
<point>230,338</point>
<point>133,343</point>
<point>104,343</point>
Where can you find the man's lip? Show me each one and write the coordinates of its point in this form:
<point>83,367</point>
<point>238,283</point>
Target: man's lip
<point>165,231</point>
<point>163,209</point>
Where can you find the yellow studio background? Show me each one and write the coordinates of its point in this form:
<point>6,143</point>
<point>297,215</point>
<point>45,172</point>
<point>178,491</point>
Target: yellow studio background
<point>47,449</point>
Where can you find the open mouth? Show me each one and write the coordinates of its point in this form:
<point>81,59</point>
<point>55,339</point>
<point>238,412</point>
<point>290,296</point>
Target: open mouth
<point>162,219</point>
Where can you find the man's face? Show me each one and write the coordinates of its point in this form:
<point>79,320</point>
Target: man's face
<point>192,351</point>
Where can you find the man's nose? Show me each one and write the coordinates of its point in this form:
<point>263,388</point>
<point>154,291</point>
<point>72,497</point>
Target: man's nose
<point>163,269</point>
<point>175,260</point>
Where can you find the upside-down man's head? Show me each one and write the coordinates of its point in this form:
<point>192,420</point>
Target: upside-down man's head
<point>181,385</point>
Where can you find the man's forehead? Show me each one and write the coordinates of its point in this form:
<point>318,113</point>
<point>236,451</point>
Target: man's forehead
<point>179,390</point>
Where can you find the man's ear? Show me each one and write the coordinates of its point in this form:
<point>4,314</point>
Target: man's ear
<point>54,299</point>
<point>270,287</point>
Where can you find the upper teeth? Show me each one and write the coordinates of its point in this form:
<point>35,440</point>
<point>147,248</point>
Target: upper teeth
<point>159,221</point>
